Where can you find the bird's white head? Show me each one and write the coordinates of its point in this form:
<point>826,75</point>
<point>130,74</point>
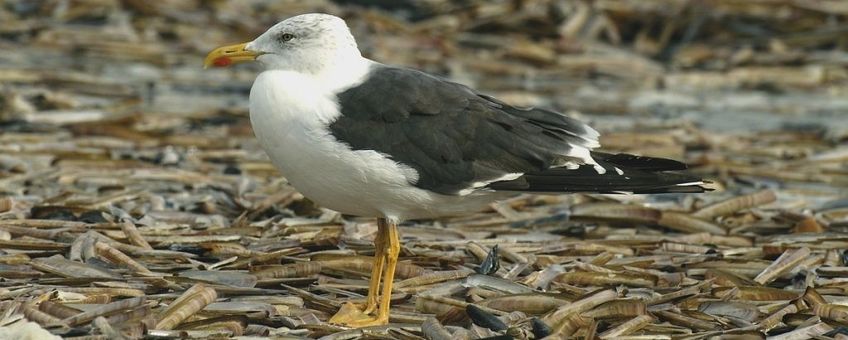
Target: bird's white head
<point>311,43</point>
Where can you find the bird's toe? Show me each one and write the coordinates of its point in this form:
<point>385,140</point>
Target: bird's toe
<point>349,314</point>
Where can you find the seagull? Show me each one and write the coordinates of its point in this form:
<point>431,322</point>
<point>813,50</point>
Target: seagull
<point>394,143</point>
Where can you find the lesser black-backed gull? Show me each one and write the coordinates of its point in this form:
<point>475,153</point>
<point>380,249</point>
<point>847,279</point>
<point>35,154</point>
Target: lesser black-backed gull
<point>394,143</point>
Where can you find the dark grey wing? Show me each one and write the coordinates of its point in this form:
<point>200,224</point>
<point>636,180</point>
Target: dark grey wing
<point>455,138</point>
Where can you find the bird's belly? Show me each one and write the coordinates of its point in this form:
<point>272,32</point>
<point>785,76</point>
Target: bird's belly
<point>363,183</point>
<point>340,180</point>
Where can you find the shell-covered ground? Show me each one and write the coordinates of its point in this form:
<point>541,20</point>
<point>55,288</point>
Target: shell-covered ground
<point>135,202</point>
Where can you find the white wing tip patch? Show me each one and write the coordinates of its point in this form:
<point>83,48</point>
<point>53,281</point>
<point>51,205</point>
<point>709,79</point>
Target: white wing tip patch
<point>480,184</point>
<point>585,155</point>
<point>591,137</point>
<point>690,184</point>
<point>599,169</point>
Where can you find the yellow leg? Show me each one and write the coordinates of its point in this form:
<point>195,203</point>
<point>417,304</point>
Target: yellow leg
<point>387,249</point>
<point>389,275</point>
<point>377,267</point>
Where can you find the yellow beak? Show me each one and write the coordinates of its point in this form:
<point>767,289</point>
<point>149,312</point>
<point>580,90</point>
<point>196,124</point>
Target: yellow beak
<point>227,55</point>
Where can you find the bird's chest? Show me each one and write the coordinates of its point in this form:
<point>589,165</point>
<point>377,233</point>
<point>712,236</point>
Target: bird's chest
<point>290,121</point>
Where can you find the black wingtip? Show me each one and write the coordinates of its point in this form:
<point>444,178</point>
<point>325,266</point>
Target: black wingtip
<point>625,173</point>
<point>644,163</point>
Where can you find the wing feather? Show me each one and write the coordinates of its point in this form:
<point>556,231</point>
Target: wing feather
<point>455,138</point>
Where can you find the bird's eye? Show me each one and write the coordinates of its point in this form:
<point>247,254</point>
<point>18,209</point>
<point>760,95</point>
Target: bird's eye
<point>286,37</point>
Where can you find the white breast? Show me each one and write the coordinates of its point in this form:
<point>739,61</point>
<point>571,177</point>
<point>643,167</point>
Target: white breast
<point>289,113</point>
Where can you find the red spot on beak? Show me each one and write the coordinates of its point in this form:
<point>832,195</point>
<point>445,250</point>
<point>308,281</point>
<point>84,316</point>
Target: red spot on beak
<point>222,61</point>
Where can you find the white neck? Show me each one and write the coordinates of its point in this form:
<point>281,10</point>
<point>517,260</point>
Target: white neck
<point>343,73</point>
